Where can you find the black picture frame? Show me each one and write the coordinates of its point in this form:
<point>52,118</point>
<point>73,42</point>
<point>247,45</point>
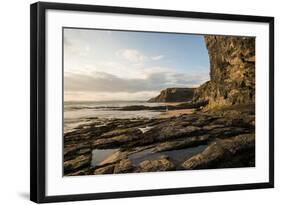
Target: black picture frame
<point>38,100</point>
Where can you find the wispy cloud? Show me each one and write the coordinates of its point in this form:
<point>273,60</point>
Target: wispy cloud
<point>132,55</point>
<point>157,57</point>
<point>75,49</point>
<point>135,56</point>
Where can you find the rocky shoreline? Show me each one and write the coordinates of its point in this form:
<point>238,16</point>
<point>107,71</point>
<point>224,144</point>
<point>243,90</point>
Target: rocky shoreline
<point>218,133</point>
<point>217,138</point>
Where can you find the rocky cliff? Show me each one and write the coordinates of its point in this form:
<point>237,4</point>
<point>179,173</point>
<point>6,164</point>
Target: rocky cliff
<point>174,95</point>
<point>232,71</point>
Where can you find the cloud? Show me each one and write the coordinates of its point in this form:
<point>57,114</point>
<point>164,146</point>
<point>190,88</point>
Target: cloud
<point>108,96</point>
<point>105,82</point>
<point>157,57</point>
<point>132,55</point>
<point>76,49</point>
<point>67,42</point>
<point>135,56</point>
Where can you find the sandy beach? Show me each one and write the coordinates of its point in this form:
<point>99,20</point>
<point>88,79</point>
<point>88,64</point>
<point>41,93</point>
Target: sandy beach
<point>176,113</point>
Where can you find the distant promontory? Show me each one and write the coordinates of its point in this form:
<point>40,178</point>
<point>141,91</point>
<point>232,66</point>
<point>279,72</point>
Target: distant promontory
<point>174,95</point>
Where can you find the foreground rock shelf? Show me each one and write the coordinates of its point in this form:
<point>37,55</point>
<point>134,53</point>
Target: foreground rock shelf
<point>217,138</point>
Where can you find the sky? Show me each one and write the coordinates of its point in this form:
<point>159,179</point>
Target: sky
<point>107,65</point>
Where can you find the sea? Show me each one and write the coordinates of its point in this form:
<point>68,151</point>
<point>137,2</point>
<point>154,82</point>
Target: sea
<point>77,113</point>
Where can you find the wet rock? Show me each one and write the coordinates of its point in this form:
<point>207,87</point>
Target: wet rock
<point>236,151</point>
<point>156,165</point>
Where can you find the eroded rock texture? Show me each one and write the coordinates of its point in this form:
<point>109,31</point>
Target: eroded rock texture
<point>232,71</point>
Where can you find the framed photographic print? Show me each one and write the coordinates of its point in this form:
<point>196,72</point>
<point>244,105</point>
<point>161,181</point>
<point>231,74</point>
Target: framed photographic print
<point>129,102</point>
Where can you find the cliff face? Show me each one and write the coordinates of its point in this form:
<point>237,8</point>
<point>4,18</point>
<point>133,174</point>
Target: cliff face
<point>174,95</point>
<point>232,71</point>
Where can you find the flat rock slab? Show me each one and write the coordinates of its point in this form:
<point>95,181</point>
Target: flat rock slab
<point>79,162</point>
<point>236,151</point>
<point>156,165</point>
